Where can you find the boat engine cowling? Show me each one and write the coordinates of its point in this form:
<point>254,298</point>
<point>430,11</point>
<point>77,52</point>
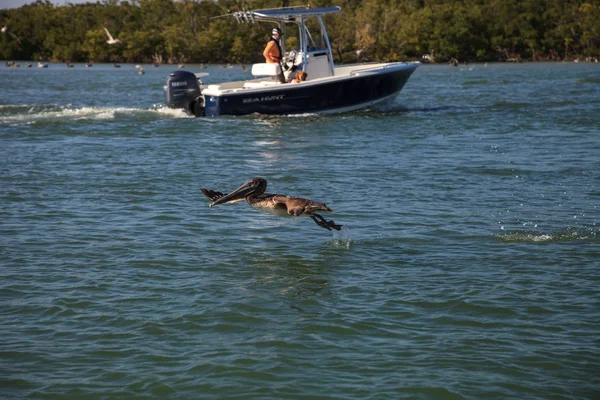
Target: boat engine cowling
<point>183,91</point>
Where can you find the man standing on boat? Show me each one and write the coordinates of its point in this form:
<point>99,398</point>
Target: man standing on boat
<point>272,51</point>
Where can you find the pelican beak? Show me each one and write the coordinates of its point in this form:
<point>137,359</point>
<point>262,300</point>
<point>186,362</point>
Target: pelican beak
<point>237,195</point>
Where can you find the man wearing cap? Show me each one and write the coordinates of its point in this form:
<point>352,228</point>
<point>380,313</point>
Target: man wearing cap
<point>272,51</point>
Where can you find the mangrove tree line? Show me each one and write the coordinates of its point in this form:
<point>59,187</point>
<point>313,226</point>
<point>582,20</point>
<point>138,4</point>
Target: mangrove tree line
<point>384,30</point>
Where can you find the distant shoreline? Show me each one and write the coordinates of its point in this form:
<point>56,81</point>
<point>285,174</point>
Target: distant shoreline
<point>22,63</point>
<point>172,32</point>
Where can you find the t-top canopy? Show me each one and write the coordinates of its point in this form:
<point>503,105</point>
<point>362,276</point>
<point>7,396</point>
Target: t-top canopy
<point>289,13</point>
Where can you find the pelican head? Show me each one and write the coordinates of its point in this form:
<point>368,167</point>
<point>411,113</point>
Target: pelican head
<point>256,186</point>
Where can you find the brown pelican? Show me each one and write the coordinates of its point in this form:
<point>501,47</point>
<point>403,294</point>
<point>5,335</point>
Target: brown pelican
<point>254,193</point>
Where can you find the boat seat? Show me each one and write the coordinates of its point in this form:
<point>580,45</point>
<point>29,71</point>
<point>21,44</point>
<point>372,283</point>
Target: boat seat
<point>254,85</point>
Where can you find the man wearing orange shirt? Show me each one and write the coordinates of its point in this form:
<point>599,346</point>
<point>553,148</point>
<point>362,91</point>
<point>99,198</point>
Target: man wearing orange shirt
<point>272,51</point>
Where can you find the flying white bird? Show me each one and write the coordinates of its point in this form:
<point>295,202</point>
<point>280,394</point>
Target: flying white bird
<point>5,30</point>
<point>111,40</point>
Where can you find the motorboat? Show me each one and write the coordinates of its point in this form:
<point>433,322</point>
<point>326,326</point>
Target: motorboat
<point>327,89</point>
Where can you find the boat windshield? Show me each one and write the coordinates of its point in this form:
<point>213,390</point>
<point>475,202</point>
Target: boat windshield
<point>316,41</point>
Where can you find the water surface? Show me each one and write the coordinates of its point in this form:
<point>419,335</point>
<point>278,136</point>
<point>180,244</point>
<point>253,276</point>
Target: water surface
<point>468,266</point>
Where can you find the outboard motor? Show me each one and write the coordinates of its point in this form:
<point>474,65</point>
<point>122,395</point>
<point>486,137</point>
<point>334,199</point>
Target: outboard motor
<point>183,91</point>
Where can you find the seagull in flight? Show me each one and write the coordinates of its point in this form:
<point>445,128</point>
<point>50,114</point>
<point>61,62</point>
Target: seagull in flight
<point>5,30</point>
<point>110,40</point>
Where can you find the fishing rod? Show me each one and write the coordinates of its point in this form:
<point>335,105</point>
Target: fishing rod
<point>250,14</point>
<point>242,15</point>
<point>238,15</point>
<point>242,12</point>
<point>235,14</point>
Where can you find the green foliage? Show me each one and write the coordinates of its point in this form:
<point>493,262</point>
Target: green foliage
<point>186,31</point>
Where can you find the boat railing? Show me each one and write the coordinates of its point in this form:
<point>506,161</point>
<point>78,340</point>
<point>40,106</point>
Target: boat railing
<point>364,67</point>
<point>368,70</point>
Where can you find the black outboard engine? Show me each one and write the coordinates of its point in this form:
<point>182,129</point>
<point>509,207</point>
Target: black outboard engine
<point>183,91</point>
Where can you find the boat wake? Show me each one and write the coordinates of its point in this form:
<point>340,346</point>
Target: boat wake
<point>48,113</point>
<point>403,109</point>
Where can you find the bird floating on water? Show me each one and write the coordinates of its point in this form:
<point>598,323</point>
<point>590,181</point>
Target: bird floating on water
<point>111,40</point>
<point>253,192</point>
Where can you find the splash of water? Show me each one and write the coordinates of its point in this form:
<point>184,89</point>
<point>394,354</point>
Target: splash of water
<point>569,234</point>
<point>341,238</point>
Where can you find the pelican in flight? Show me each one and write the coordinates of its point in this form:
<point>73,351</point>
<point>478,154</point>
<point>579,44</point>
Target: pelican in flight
<point>253,192</point>
<point>110,40</point>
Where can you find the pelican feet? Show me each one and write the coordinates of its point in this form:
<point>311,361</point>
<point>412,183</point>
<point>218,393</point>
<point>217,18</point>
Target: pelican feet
<point>329,225</point>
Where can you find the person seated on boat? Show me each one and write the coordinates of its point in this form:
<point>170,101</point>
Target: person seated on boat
<point>300,77</point>
<point>273,53</point>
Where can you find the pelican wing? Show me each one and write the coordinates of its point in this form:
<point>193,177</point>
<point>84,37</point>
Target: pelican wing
<point>278,201</point>
<point>297,206</point>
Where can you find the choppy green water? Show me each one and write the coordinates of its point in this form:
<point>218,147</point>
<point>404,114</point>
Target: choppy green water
<point>469,267</point>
